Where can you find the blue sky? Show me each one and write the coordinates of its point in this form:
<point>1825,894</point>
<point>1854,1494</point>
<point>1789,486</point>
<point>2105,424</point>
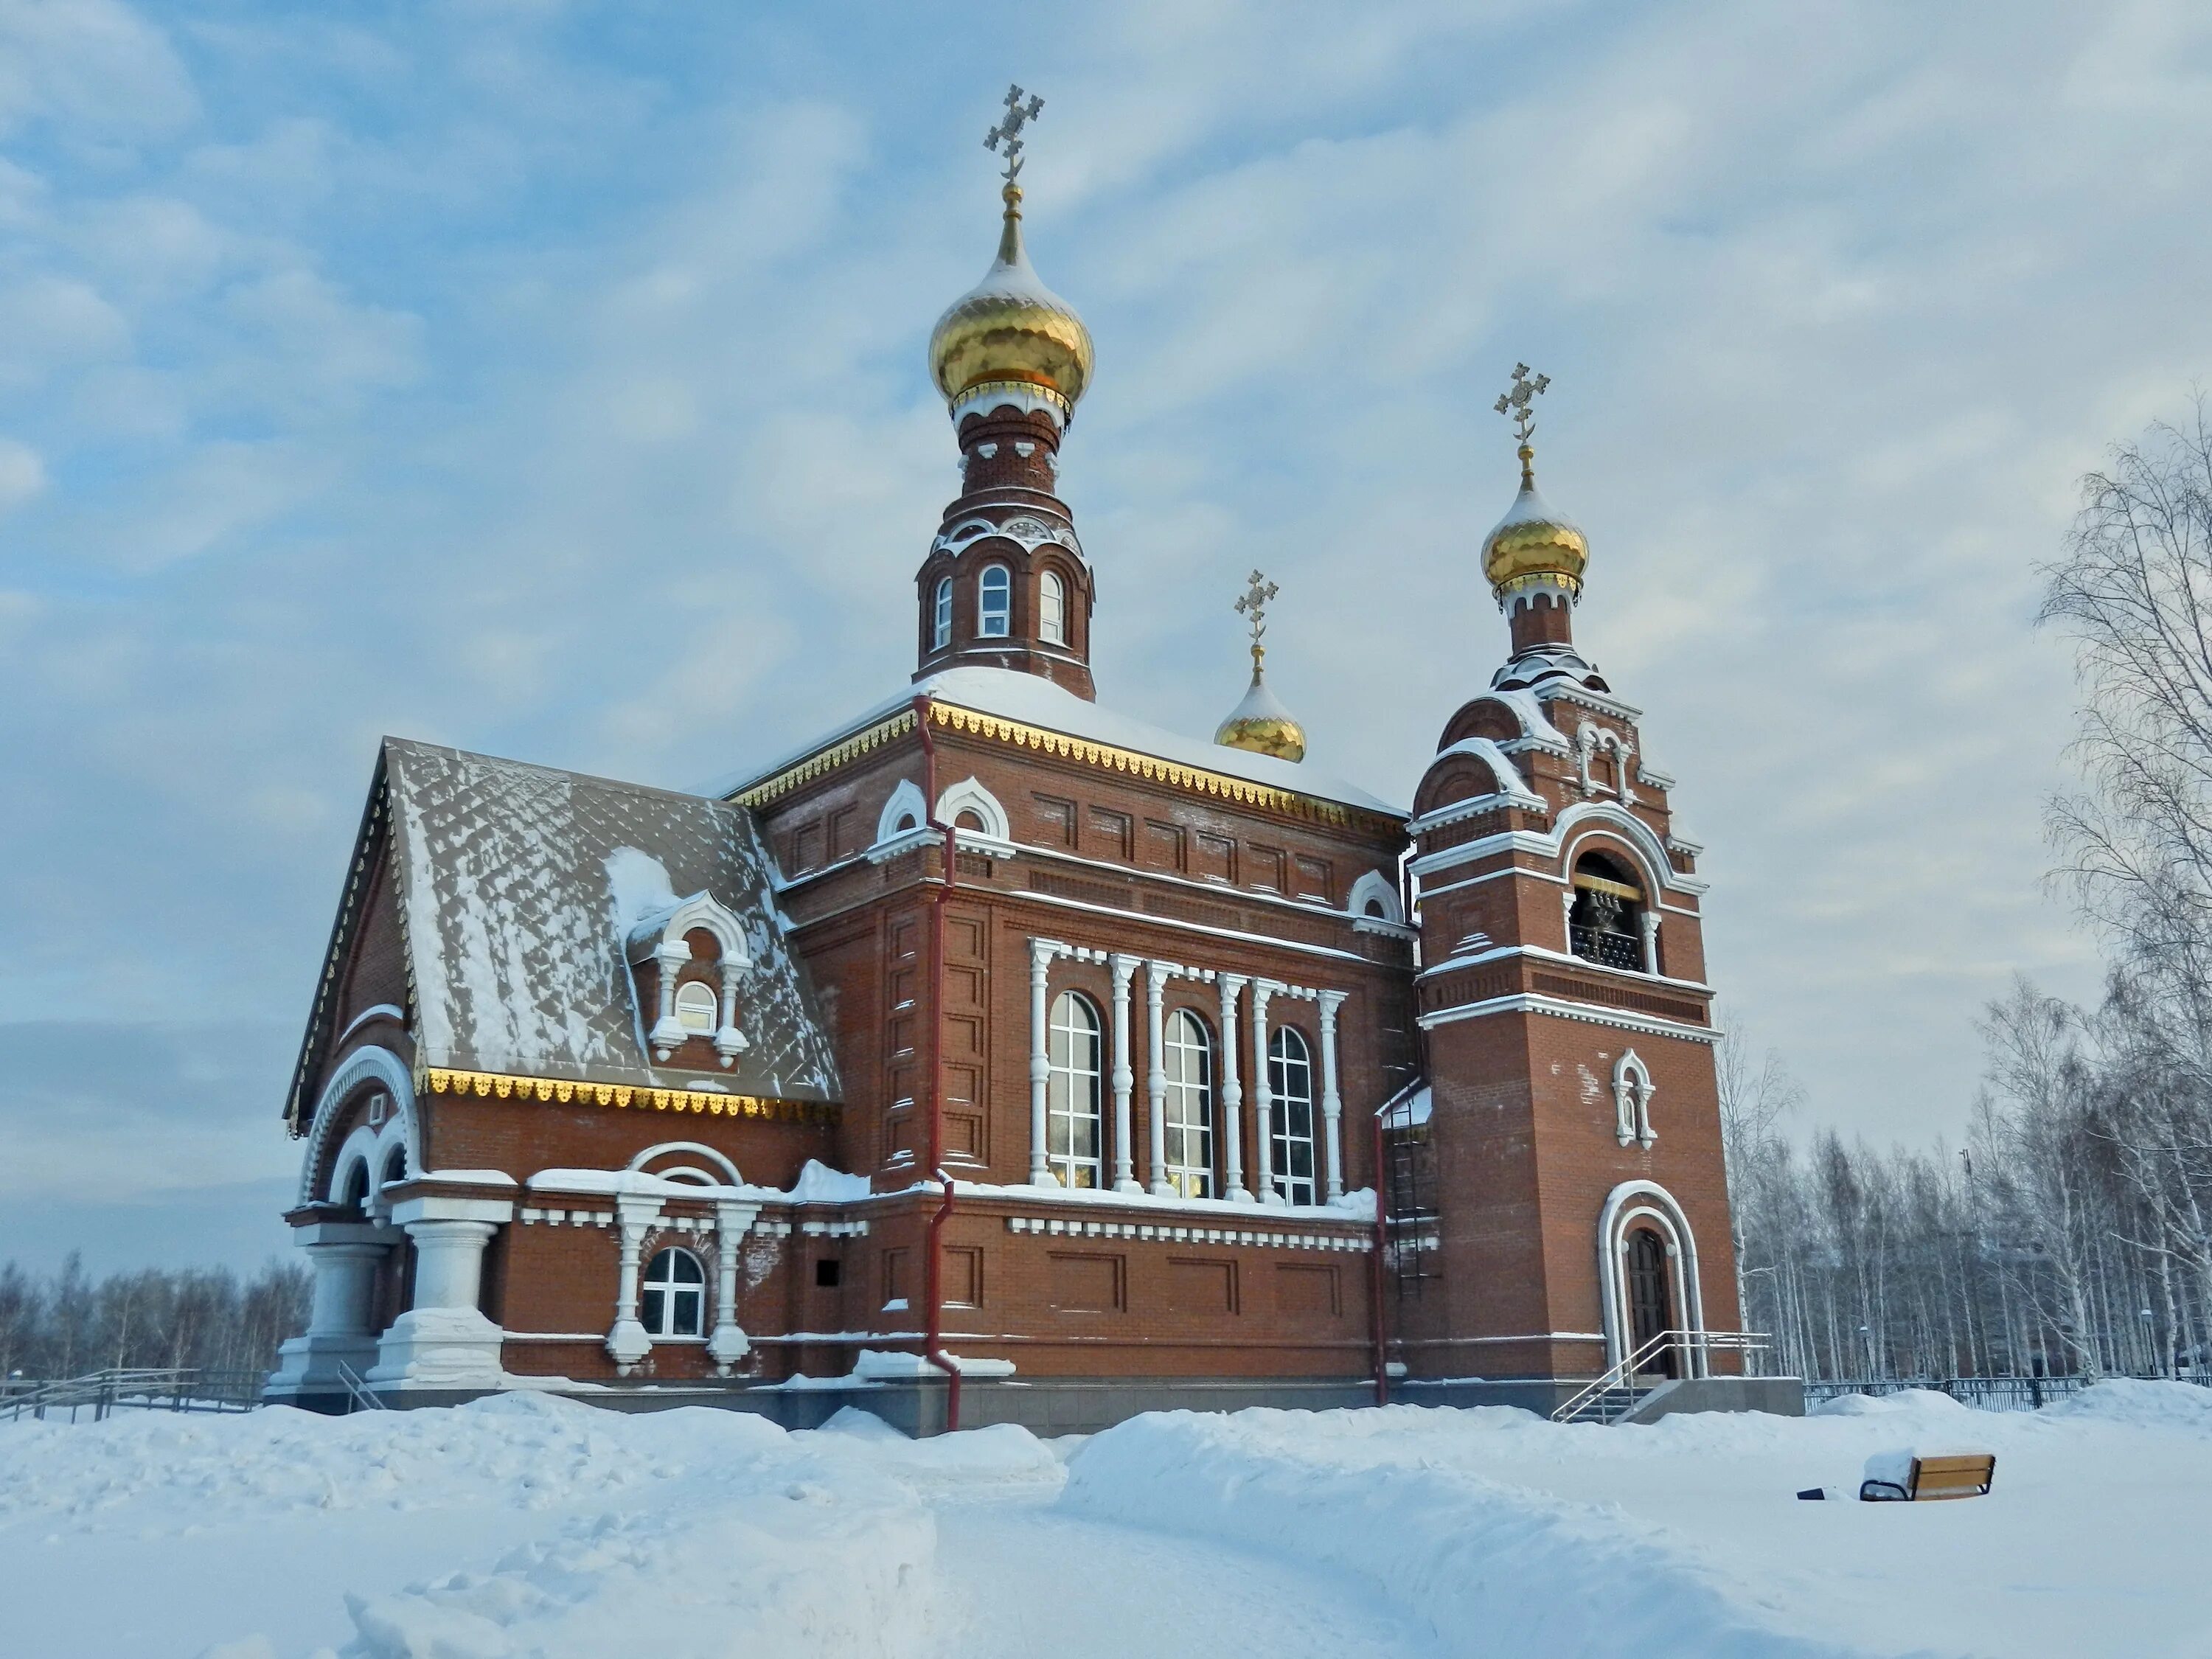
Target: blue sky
<point>548,378</point>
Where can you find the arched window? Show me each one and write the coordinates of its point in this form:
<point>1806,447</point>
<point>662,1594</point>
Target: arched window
<point>1188,1114</point>
<point>940,628</point>
<point>1052,609</point>
<point>1290,1115</point>
<point>355,1196</point>
<point>1071,1098</point>
<point>395,1168</point>
<point>995,611</point>
<point>675,1295</point>
<point>1606,925</point>
<point>698,1010</point>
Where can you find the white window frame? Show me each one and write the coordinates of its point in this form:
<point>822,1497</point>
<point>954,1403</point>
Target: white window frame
<point>660,1321</point>
<point>1075,1053</point>
<point>1186,1105</point>
<point>1291,1102</point>
<point>1002,613</point>
<point>940,629</point>
<point>1052,609</point>
<point>687,995</point>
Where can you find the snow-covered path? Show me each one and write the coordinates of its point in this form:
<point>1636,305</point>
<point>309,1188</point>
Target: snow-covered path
<point>1023,1579</point>
<point>529,1527</point>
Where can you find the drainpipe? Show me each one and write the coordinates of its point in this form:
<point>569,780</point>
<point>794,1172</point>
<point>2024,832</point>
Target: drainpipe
<point>1375,1287</point>
<point>933,1287</point>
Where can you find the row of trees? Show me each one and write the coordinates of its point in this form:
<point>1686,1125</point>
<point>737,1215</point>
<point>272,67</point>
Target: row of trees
<point>2072,1233</point>
<point>69,1323</point>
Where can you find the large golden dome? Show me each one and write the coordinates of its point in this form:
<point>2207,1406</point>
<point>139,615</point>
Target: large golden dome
<point>1533,543</point>
<point>1010,330</point>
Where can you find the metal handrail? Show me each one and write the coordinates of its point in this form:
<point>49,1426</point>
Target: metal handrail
<point>364,1398</point>
<point>177,1387</point>
<point>1632,1366</point>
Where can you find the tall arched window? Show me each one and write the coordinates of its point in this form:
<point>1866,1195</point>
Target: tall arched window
<point>675,1295</point>
<point>1052,609</point>
<point>995,610</point>
<point>1290,1115</point>
<point>1072,1095</point>
<point>1188,1052</point>
<point>940,627</point>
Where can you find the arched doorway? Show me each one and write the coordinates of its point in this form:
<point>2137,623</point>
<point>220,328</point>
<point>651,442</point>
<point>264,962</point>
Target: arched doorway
<point>1649,1310</point>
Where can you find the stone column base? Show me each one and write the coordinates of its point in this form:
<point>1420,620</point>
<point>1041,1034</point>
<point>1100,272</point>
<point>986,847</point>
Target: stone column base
<point>439,1348</point>
<point>309,1364</point>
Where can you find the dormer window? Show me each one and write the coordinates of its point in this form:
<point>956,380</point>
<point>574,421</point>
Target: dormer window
<point>694,953</point>
<point>1606,922</point>
<point>1052,609</point>
<point>940,631</point>
<point>995,607</point>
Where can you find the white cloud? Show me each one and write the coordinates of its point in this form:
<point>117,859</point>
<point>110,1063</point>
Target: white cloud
<point>22,475</point>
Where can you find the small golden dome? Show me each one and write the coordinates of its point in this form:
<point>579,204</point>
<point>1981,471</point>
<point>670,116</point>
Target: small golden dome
<point>1010,329</point>
<point>1532,544</point>
<point>1260,724</point>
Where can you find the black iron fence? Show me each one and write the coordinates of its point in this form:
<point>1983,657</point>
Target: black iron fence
<point>97,1393</point>
<point>1987,1393</point>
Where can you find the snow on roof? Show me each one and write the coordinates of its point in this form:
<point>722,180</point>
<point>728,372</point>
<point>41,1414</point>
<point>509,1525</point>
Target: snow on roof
<point>515,885</point>
<point>1034,700</point>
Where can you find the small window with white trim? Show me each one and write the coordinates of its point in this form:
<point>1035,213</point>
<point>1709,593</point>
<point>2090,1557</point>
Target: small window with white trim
<point>940,632</point>
<point>698,1010</point>
<point>675,1303</point>
<point>1052,609</point>
<point>994,613</point>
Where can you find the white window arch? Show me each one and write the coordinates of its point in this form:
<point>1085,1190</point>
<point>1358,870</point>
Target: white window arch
<point>1647,1204</point>
<point>675,1295</point>
<point>1052,609</point>
<point>1073,1115</point>
<point>905,812</point>
<point>940,626</point>
<point>969,796</point>
<point>1375,898</point>
<point>994,603</point>
<point>1187,1106</point>
<point>1290,1115</point>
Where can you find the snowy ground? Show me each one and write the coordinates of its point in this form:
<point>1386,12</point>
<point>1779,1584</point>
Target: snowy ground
<point>530,1528</point>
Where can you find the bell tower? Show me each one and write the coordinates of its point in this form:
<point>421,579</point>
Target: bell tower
<point>1573,1132</point>
<point>1005,583</point>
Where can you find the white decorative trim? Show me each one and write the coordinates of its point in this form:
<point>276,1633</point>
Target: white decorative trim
<point>392,1011</point>
<point>662,937</point>
<point>1650,852</point>
<point>1589,1013</point>
<point>1166,1233</point>
<point>1660,1207</point>
<point>1027,532</point>
<point>700,1148</point>
<point>1374,888</point>
<point>969,795</point>
<point>1631,1101</point>
<point>1511,790</point>
<point>906,800</point>
<point>368,1064</point>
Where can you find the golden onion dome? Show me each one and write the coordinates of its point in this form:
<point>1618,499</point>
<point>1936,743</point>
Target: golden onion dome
<point>1533,543</point>
<point>1010,330</point>
<point>1260,724</point>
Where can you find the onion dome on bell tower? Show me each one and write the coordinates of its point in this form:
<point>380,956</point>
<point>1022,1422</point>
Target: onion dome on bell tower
<point>1535,558</point>
<point>1260,724</point>
<point>1006,583</point>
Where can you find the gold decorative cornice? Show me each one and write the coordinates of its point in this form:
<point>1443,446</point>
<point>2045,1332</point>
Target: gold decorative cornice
<point>826,760</point>
<point>439,1080</point>
<point>1137,765</point>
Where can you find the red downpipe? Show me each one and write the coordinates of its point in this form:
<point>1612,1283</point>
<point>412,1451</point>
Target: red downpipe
<point>1375,1289</point>
<point>933,1286</point>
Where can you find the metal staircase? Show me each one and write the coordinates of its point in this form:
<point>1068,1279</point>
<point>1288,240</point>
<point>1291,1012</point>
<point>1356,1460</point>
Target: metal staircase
<point>1611,1397</point>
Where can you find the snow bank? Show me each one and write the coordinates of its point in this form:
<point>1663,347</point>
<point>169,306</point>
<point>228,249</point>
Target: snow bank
<point>1465,1552</point>
<point>2184,1405</point>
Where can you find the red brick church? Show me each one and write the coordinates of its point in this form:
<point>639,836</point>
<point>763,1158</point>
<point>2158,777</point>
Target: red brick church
<point>1001,1055</point>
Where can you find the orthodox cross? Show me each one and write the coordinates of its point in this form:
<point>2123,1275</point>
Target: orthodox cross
<point>1258,590</point>
<point>1009,131</point>
<point>1518,401</point>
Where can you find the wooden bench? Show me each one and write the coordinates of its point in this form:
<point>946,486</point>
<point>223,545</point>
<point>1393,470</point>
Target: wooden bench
<point>1957,1475</point>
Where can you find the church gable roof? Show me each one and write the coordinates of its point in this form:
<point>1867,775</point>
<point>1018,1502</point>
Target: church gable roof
<point>518,887</point>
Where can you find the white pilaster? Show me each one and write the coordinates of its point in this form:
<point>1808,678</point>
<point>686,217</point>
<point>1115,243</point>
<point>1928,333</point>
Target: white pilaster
<point>728,1344</point>
<point>1123,968</point>
<point>1650,920</point>
<point>668,1033</point>
<point>1041,952</point>
<point>1156,1075</point>
<point>1332,1103</point>
<point>627,1340</point>
<point>1567,919</point>
<point>1263,1097</point>
<point>729,1041</point>
<point>1232,1093</point>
